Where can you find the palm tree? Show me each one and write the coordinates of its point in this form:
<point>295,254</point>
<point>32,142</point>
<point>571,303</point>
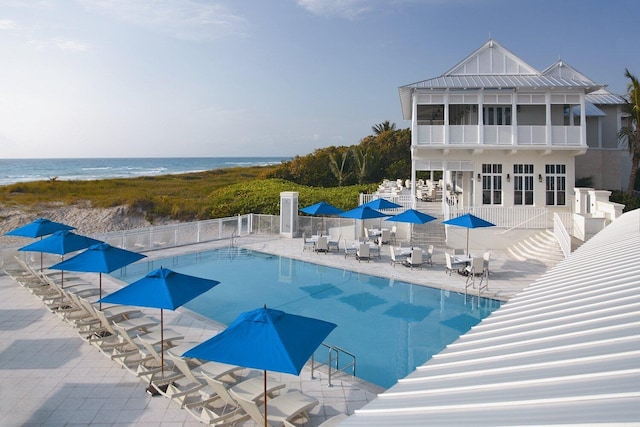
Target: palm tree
<point>360,156</point>
<point>631,131</point>
<point>383,127</point>
<point>337,168</point>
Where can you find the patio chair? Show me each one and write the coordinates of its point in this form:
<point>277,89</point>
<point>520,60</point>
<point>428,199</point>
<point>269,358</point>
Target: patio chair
<point>308,243</point>
<point>251,388</point>
<point>385,236</point>
<point>159,371</point>
<point>415,259</point>
<point>429,255</point>
<point>349,250</point>
<point>392,234</point>
<point>486,257</point>
<point>330,422</point>
<point>363,252</point>
<point>322,245</point>
<point>451,264</point>
<point>334,244</point>
<point>376,250</point>
<point>394,260</point>
<point>286,407</point>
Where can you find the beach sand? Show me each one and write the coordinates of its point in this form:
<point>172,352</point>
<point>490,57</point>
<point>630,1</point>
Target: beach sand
<point>87,220</point>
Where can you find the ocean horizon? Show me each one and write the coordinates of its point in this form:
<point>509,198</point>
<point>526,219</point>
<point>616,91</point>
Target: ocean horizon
<point>14,171</point>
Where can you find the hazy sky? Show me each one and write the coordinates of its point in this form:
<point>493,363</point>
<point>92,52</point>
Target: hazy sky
<point>130,78</point>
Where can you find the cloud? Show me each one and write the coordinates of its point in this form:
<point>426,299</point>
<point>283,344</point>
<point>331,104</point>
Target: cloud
<point>7,25</point>
<point>66,45</point>
<point>346,8</point>
<point>196,20</point>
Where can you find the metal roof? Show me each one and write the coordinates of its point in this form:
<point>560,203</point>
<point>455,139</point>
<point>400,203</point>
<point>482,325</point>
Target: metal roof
<point>603,96</point>
<point>565,350</point>
<point>590,110</point>
<point>503,81</point>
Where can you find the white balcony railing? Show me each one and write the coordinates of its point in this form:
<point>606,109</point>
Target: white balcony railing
<point>561,136</point>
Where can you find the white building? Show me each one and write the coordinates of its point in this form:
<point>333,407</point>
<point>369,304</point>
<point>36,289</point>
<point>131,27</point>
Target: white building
<point>507,135</point>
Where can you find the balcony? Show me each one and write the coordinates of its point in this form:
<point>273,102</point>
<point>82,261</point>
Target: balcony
<point>500,136</point>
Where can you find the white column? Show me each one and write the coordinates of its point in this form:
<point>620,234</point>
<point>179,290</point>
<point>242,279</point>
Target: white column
<point>514,119</point>
<point>481,117</point>
<point>583,121</point>
<point>547,99</point>
<point>446,117</point>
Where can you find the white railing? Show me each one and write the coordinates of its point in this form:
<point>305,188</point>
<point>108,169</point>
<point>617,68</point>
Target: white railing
<point>188,233</point>
<point>562,235</point>
<point>561,136</point>
<point>517,217</point>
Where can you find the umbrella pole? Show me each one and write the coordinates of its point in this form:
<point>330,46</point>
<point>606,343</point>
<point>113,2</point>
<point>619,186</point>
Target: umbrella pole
<point>265,399</point>
<point>100,286</point>
<point>467,241</point>
<point>162,342</point>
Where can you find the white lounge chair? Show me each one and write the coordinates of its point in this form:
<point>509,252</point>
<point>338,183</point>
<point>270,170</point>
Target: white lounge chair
<point>486,257</point>
<point>385,236</point>
<point>286,407</point>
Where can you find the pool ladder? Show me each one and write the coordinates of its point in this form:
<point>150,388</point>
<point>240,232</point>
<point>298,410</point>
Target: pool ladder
<point>333,361</point>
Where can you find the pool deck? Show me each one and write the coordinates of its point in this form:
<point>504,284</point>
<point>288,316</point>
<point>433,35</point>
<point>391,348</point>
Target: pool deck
<point>50,376</point>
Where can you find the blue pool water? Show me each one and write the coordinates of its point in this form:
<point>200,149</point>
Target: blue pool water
<point>390,326</point>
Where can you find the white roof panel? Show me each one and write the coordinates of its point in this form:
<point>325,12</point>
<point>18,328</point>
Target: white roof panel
<point>566,350</point>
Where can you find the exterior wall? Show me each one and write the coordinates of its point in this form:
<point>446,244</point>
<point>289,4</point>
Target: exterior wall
<point>610,126</point>
<point>609,169</point>
<point>472,187</point>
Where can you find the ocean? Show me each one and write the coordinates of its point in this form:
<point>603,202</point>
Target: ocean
<point>25,170</point>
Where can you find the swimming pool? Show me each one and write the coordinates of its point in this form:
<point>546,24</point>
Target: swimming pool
<point>390,326</point>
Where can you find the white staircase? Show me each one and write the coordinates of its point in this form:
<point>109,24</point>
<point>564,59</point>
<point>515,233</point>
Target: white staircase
<point>541,247</point>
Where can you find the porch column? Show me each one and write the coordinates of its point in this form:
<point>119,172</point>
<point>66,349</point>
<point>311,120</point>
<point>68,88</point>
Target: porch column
<point>547,100</point>
<point>446,117</point>
<point>583,121</point>
<point>514,119</point>
<point>481,117</point>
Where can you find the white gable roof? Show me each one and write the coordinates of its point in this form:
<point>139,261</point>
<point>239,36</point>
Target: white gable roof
<point>492,58</point>
<point>492,66</point>
<point>563,70</point>
<point>566,350</point>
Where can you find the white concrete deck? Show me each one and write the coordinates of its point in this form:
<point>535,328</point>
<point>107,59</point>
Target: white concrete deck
<point>49,376</point>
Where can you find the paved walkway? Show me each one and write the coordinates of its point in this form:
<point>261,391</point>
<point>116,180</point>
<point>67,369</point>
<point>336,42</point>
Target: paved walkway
<point>50,376</point>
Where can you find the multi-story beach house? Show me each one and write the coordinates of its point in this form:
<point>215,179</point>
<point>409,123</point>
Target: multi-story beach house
<point>507,135</point>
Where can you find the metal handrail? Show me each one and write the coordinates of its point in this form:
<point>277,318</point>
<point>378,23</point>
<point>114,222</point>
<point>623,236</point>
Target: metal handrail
<point>334,350</point>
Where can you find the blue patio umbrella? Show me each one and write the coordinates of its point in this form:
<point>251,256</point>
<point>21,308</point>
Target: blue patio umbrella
<point>321,208</point>
<point>363,212</point>
<point>161,288</point>
<point>381,203</point>
<point>39,228</point>
<point>468,221</point>
<point>266,339</point>
<point>61,243</point>
<point>412,216</point>
<point>100,258</point>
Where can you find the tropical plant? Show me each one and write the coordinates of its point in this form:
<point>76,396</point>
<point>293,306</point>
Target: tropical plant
<point>338,166</point>
<point>383,127</point>
<point>630,131</point>
<point>360,155</point>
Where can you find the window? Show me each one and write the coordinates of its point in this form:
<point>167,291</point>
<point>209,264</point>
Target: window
<point>431,114</point>
<point>497,115</point>
<point>523,184</point>
<point>556,184</point>
<point>463,114</point>
<point>491,184</point>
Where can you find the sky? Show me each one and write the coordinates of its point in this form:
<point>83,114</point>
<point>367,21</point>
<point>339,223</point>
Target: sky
<point>212,78</point>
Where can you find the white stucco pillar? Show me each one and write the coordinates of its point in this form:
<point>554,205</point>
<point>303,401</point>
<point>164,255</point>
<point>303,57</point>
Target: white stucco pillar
<point>289,213</point>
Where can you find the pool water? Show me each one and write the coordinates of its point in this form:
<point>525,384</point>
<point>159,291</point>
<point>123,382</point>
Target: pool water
<point>392,327</point>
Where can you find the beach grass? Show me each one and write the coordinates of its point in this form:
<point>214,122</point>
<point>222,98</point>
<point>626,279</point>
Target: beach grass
<point>184,197</point>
